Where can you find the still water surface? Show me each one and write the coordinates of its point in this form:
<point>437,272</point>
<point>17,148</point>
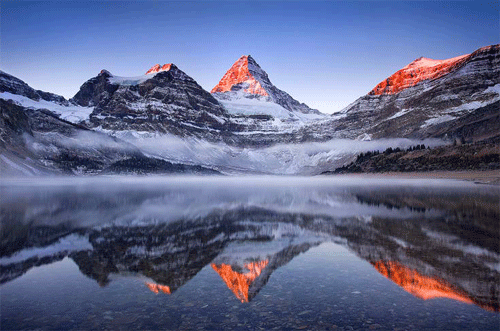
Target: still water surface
<point>188,253</point>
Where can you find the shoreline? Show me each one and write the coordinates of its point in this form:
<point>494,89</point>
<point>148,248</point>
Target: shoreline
<point>490,177</point>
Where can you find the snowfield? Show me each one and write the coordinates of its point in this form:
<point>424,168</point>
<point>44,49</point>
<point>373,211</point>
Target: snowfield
<point>73,113</point>
<point>248,107</point>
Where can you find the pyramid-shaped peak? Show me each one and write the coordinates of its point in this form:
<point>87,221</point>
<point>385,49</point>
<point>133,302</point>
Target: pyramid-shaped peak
<point>244,74</point>
<point>246,58</point>
<point>157,68</point>
<point>246,79</point>
<point>248,63</point>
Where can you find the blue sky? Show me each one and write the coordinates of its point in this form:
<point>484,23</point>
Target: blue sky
<point>326,54</point>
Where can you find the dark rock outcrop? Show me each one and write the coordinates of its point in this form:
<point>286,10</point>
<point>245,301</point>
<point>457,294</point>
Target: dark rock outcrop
<point>11,84</point>
<point>167,101</point>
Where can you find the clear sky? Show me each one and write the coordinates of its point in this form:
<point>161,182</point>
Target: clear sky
<point>325,54</point>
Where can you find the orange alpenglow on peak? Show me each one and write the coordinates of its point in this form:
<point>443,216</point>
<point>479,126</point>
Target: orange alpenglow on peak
<point>419,70</point>
<point>156,288</point>
<point>157,68</point>
<point>240,73</point>
<point>425,287</point>
<point>239,283</point>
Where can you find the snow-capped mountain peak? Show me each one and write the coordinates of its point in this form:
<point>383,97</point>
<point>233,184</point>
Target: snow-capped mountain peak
<point>157,68</point>
<point>245,74</point>
<point>419,70</point>
<point>246,79</point>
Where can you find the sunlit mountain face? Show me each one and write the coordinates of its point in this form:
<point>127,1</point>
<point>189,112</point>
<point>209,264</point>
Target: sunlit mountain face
<point>248,81</point>
<point>157,68</point>
<point>419,70</point>
<point>244,72</point>
<point>234,241</point>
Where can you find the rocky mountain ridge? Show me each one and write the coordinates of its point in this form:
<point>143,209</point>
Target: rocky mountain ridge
<point>461,103</point>
<point>455,99</point>
<point>162,101</point>
<point>419,70</point>
<point>13,85</point>
<point>36,140</point>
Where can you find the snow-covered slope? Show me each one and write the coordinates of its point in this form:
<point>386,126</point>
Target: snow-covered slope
<point>72,113</point>
<point>12,88</point>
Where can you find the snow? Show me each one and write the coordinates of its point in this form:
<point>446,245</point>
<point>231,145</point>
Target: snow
<point>247,107</point>
<point>129,81</point>
<point>455,242</point>
<point>427,63</point>
<point>465,107</point>
<point>493,89</point>
<point>238,253</point>
<point>438,120</point>
<point>238,104</point>
<point>71,113</point>
<point>71,243</point>
<point>399,114</point>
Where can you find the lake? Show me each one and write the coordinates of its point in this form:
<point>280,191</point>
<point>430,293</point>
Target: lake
<point>249,253</point>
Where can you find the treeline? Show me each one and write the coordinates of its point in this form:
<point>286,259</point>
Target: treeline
<point>450,158</point>
<point>390,150</point>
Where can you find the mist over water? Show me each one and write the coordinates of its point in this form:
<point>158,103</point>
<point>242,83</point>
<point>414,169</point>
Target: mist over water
<point>248,252</point>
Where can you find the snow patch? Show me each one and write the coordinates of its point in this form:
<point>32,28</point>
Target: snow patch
<point>424,62</point>
<point>493,89</point>
<point>71,113</point>
<point>71,243</point>
<point>130,81</point>
<point>438,120</point>
<point>238,104</point>
<point>399,114</point>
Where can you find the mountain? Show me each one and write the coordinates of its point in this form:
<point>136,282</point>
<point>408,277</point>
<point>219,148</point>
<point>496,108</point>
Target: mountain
<point>419,70</point>
<point>12,88</point>
<point>12,85</point>
<point>456,98</point>
<point>246,89</point>
<point>164,100</point>
<point>168,115</point>
<point>37,138</point>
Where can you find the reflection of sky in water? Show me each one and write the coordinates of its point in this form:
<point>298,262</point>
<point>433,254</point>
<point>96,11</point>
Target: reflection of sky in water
<point>298,252</point>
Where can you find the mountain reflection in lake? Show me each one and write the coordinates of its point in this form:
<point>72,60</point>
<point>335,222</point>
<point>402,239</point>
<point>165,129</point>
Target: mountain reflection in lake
<point>247,253</point>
